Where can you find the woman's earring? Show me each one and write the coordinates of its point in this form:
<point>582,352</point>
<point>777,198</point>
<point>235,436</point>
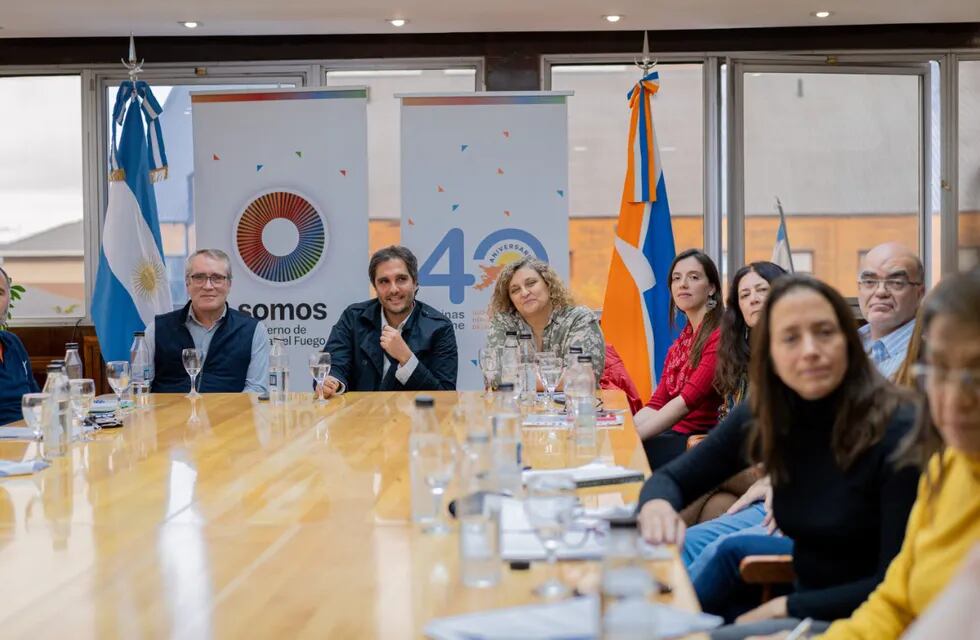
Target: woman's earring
<point>711,304</point>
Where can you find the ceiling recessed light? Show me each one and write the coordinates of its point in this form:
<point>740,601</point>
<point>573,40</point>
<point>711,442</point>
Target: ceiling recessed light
<point>397,22</point>
<point>822,14</point>
<point>190,24</point>
<point>613,18</point>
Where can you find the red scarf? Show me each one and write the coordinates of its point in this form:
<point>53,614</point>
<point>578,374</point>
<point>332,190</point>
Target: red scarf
<point>677,365</point>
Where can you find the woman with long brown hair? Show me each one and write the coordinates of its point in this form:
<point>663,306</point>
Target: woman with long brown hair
<point>945,521</point>
<point>825,425</point>
<point>685,402</point>
<point>746,298</point>
<point>747,295</point>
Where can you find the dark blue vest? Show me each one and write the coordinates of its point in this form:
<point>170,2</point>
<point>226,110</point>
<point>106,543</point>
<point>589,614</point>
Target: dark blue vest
<point>228,357</point>
<point>16,377</point>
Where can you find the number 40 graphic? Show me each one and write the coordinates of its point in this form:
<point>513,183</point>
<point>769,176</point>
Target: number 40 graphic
<point>453,243</point>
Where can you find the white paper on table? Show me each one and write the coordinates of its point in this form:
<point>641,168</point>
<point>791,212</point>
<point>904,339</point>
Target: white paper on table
<point>592,474</point>
<point>20,468</point>
<point>17,433</point>
<point>26,433</point>
<point>572,619</point>
<point>614,418</point>
<point>585,541</point>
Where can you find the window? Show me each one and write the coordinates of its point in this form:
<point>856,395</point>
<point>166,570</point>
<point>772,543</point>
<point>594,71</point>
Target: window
<point>384,133</point>
<point>969,164</point>
<point>175,195</point>
<point>842,152</point>
<point>598,126</point>
<point>41,230</point>
<point>802,263</point>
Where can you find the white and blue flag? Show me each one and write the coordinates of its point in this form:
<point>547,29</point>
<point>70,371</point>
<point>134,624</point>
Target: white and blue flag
<point>131,287</point>
<point>781,253</point>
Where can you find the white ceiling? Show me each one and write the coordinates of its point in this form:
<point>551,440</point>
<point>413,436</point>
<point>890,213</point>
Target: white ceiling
<point>83,18</point>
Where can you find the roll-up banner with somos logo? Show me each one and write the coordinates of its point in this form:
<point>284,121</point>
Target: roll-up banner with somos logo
<point>280,184</point>
<point>484,182</point>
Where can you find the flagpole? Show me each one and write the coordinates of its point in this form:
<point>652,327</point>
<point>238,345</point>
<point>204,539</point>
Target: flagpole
<point>782,223</point>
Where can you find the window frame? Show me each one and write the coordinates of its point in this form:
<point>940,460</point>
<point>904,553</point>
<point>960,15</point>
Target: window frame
<point>825,65</point>
<point>64,70</point>
<point>720,151</point>
<point>717,104</point>
<point>711,139</point>
<point>203,74</point>
<point>949,245</point>
<point>399,64</point>
<point>95,79</point>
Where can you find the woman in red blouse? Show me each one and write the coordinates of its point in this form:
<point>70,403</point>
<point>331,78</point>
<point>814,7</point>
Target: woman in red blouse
<point>685,402</point>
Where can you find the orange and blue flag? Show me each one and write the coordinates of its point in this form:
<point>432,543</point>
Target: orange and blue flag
<point>635,315</point>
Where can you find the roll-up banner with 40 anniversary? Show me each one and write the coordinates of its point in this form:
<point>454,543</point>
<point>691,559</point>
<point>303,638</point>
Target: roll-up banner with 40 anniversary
<point>280,184</point>
<point>484,182</point>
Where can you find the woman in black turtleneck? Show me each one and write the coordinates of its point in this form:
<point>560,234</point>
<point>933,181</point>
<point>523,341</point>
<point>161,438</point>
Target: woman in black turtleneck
<point>824,424</point>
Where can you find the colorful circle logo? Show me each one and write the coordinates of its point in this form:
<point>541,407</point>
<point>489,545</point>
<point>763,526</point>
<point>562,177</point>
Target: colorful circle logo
<point>281,237</point>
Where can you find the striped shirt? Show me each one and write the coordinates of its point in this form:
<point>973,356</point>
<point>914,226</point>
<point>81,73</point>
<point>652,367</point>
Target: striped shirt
<point>888,352</point>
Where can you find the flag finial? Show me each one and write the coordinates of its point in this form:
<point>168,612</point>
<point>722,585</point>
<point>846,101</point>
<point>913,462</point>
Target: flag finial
<point>645,63</point>
<point>134,68</point>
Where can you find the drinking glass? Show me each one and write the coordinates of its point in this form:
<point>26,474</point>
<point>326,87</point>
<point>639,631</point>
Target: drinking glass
<point>193,360</point>
<point>193,419</point>
<point>117,372</point>
<point>82,396</point>
<point>436,461</point>
<point>550,369</point>
<point>320,369</point>
<point>490,366</point>
<point>35,408</point>
<point>549,506</point>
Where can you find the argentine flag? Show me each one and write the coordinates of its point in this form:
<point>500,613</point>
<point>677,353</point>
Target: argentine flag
<point>131,287</point>
<point>781,253</point>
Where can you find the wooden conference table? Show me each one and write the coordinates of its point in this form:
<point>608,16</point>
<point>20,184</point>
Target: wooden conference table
<point>259,521</point>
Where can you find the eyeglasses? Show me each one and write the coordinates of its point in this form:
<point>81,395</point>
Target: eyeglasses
<point>216,279</point>
<point>895,285</point>
<point>941,376</point>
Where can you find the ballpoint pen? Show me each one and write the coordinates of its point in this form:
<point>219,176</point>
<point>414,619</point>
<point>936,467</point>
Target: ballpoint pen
<point>801,630</point>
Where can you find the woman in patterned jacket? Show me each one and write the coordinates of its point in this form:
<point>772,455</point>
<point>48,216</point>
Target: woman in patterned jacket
<point>530,297</point>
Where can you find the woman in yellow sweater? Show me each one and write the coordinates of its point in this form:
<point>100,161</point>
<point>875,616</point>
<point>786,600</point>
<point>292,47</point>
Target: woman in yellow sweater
<point>945,521</point>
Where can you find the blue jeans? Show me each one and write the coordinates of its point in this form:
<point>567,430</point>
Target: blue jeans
<point>702,539</point>
<point>719,586</point>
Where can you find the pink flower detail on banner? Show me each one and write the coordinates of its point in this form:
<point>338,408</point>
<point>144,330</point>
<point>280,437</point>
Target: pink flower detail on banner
<point>343,172</point>
<point>506,133</point>
<point>439,188</point>
<point>411,222</point>
<point>500,171</point>
<point>507,213</point>
<point>214,156</point>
